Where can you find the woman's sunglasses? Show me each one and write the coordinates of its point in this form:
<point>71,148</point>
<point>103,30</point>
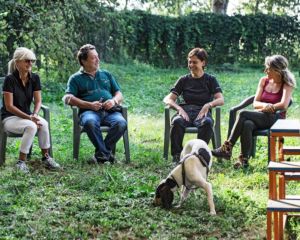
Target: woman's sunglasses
<point>29,61</point>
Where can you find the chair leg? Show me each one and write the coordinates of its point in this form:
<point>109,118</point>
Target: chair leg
<point>30,152</point>
<point>76,144</point>
<point>50,149</point>
<point>167,133</point>
<point>253,150</point>
<point>166,145</point>
<point>213,139</point>
<point>3,139</point>
<point>126,146</point>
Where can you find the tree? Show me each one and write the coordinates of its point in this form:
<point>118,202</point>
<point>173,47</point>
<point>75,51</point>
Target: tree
<point>271,6</point>
<point>219,6</point>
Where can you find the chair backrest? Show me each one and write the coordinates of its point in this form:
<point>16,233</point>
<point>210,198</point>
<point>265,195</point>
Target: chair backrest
<point>1,84</point>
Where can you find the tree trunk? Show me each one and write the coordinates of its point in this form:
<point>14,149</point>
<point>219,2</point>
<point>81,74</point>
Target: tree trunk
<point>126,5</point>
<point>219,6</point>
<point>257,2</point>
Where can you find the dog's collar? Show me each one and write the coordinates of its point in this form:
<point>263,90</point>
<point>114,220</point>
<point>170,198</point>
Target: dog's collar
<point>174,179</point>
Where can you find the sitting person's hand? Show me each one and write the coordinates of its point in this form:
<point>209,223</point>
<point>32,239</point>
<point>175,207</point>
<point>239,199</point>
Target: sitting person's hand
<point>108,104</point>
<point>183,114</point>
<point>269,108</point>
<point>96,105</point>
<point>203,112</point>
<point>36,120</point>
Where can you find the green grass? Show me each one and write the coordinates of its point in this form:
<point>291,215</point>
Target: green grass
<point>114,202</point>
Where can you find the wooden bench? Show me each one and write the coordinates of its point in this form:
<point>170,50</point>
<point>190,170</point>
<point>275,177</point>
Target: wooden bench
<point>279,203</point>
<point>290,150</point>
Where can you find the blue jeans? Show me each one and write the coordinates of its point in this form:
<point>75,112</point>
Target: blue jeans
<point>91,122</point>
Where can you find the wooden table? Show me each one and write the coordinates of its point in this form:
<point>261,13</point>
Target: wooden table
<point>277,204</point>
<point>282,128</point>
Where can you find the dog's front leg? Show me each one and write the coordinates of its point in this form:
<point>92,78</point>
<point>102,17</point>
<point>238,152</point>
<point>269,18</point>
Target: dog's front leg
<point>183,196</point>
<point>210,198</point>
<point>208,189</point>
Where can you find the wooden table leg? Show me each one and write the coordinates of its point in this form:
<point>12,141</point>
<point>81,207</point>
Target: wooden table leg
<point>272,185</point>
<point>269,225</point>
<point>276,225</point>
<point>280,149</point>
<point>272,148</point>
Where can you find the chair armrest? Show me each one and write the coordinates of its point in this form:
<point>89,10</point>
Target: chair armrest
<point>246,102</point>
<point>124,112</point>
<point>167,117</point>
<point>75,115</point>
<point>46,113</point>
<point>217,127</point>
<point>233,111</point>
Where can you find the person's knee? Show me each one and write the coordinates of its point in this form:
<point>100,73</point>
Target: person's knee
<point>248,124</point>
<point>122,125</point>
<point>208,122</point>
<point>31,128</point>
<point>90,124</point>
<point>244,113</point>
<point>204,123</point>
<point>44,124</point>
<point>178,121</point>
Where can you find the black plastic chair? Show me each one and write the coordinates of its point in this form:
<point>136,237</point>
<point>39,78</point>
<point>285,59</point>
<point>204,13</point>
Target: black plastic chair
<point>5,134</point>
<point>216,139</point>
<point>78,129</point>
<point>263,132</point>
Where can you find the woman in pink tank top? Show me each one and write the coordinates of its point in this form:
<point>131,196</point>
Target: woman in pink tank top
<point>273,93</point>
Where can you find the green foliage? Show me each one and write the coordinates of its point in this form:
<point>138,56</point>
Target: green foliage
<point>56,29</point>
<point>114,202</point>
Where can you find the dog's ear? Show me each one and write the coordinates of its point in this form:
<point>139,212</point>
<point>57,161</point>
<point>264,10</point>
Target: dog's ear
<point>160,186</point>
<point>171,183</point>
<point>167,197</point>
<point>205,154</point>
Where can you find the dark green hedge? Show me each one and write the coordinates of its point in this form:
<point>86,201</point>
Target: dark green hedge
<point>55,31</point>
<point>165,41</point>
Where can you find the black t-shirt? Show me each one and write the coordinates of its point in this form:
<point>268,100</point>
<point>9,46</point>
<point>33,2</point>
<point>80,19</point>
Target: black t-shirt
<point>196,91</point>
<point>22,96</point>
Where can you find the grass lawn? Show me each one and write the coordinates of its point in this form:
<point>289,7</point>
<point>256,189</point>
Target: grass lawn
<point>114,201</point>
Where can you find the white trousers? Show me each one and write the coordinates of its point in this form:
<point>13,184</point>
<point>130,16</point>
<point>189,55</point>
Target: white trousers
<point>29,129</point>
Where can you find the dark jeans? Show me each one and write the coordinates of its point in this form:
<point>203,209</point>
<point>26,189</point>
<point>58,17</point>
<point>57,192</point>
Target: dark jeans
<point>248,121</point>
<point>91,122</point>
<point>178,125</point>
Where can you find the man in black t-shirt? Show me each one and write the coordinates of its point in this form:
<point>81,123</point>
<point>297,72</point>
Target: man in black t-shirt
<point>200,92</point>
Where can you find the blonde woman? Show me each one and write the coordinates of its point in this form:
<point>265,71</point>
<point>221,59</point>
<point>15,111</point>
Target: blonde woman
<point>273,93</point>
<point>22,87</point>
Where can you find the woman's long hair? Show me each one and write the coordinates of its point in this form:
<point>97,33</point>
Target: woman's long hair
<point>280,64</point>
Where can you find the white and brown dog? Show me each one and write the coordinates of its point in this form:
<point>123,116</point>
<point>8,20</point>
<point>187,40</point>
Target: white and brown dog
<point>190,173</point>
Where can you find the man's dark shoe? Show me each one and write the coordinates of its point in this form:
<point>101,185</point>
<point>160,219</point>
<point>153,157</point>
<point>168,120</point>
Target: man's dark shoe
<point>98,159</point>
<point>111,158</point>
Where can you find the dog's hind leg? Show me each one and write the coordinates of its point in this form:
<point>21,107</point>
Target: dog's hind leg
<point>208,189</point>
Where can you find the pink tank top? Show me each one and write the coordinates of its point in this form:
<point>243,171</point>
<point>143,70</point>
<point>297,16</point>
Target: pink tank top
<point>272,97</point>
